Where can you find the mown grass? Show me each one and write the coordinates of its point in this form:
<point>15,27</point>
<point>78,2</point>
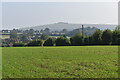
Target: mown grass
<point>60,62</point>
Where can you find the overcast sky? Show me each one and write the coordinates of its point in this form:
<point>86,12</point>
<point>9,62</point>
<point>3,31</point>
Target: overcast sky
<point>60,0</point>
<point>26,14</point>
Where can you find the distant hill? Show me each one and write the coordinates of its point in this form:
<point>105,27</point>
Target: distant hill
<point>86,31</point>
<point>69,26</point>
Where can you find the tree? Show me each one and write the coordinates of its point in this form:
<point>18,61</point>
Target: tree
<point>119,39</point>
<point>96,37</point>
<point>31,32</point>
<point>49,42</point>
<point>106,37</point>
<point>62,41</point>
<point>117,28</point>
<point>18,44</point>
<point>115,37</point>
<point>37,42</point>
<point>77,40</point>
<point>13,34</point>
<point>86,41</point>
<point>24,37</point>
<point>90,40</point>
<point>64,31</point>
<point>47,30</point>
<point>44,36</point>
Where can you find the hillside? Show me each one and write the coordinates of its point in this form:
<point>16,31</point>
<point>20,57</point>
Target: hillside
<point>69,26</point>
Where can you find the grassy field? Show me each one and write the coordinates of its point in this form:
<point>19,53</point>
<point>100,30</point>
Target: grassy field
<point>60,62</point>
<point>4,36</point>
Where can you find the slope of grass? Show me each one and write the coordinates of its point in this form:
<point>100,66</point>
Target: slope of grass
<point>61,62</point>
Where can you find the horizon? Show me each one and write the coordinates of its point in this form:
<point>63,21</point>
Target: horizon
<point>61,23</point>
<point>15,14</point>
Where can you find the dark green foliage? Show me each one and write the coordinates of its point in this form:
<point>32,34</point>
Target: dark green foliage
<point>115,37</point>
<point>37,42</point>
<point>77,40</point>
<point>24,38</point>
<point>18,44</point>
<point>49,42</point>
<point>86,41</point>
<point>62,41</point>
<point>44,36</point>
<point>96,38</point>
<point>106,37</point>
<point>118,29</point>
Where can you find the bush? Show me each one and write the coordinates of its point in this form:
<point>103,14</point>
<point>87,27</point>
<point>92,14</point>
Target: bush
<point>106,37</point>
<point>49,42</point>
<point>62,41</point>
<point>37,42</point>
<point>96,37</point>
<point>18,44</point>
<point>115,37</point>
<point>77,40</point>
<point>44,37</point>
<point>86,41</point>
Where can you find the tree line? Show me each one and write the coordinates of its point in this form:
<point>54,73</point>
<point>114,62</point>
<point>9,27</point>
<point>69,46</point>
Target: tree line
<point>106,37</point>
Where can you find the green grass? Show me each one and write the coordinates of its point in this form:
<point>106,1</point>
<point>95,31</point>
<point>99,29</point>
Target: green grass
<point>60,62</point>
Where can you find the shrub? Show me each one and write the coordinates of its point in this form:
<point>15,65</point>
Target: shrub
<point>49,42</point>
<point>77,40</point>
<point>37,42</point>
<point>62,41</point>
<point>18,44</point>
<point>106,37</point>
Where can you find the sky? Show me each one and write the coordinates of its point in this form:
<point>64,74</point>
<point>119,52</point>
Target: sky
<point>27,14</point>
<point>59,0</point>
